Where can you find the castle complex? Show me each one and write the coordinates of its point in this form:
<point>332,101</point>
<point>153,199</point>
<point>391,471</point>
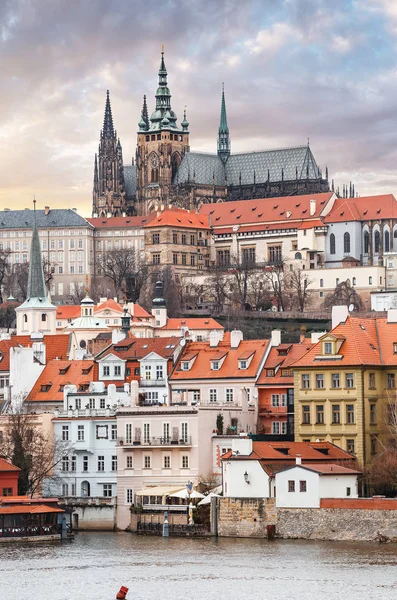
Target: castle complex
<point>166,171</point>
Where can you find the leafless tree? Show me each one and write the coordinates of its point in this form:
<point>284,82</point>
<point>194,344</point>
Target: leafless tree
<point>344,295</point>
<point>5,269</point>
<point>26,445</point>
<point>277,280</point>
<point>125,270</point>
<point>19,276</point>
<point>79,292</point>
<point>383,468</point>
<point>299,284</point>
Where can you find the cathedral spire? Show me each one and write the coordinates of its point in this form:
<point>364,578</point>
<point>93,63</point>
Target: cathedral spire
<point>163,117</point>
<point>36,283</point>
<point>108,129</point>
<point>144,122</point>
<point>223,131</point>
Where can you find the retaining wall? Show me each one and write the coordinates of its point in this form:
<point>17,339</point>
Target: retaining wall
<point>246,517</point>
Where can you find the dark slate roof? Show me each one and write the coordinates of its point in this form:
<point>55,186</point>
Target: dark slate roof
<point>203,167</point>
<point>57,217</point>
<point>36,283</point>
<point>130,180</point>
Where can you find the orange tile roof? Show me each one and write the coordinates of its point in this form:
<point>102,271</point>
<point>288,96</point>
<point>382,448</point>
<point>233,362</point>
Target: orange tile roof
<point>265,210</point>
<point>364,208</point>
<point>56,346</point>
<point>31,510</point>
<point>192,323</point>
<point>68,311</point>
<point>140,312</point>
<point>330,469</point>
<point>274,360</point>
<point>179,217</point>
<point>7,466</point>
<point>119,222</point>
<point>137,348</point>
<point>109,304</point>
<point>201,368</point>
<point>52,376</point>
<point>309,451</point>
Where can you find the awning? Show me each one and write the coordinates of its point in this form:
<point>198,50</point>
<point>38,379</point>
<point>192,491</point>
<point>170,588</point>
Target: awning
<point>160,490</point>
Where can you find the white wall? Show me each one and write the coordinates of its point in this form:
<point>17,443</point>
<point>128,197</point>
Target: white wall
<point>297,499</point>
<point>335,486</point>
<point>234,484</point>
<point>22,362</point>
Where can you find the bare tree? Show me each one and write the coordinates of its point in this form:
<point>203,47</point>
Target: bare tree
<point>7,316</point>
<point>277,279</point>
<point>299,284</point>
<point>344,295</point>
<point>383,468</point>
<point>19,277</point>
<point>78,293</point>
<point>4,269</point>
<point>26,445</point>
<point>124,269</point>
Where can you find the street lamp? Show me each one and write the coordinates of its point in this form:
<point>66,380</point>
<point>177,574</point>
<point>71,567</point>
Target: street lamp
<point>246,477</point>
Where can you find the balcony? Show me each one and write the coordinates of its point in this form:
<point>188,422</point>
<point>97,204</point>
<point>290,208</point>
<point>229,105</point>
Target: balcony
<point>154,442</point>
<point>153,383</point>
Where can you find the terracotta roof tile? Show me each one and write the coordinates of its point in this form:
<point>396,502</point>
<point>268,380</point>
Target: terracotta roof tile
<point>119,222</point>
<point>7,466</point>
<point>178,217</point>
<point>136,348</point>
<point>193,323</point>
<point>29,509</point>
<point>275,360</point>
<point>56,346</point>
<point>362,209</point>
<point>58,373</point>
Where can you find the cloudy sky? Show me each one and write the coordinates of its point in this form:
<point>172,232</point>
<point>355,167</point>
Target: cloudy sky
<point>293,69</point>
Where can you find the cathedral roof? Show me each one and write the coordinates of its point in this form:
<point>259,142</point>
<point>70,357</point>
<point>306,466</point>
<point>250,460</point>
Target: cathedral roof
<point>56,217</point>
<point>130,180</point>
<point>287,163</point>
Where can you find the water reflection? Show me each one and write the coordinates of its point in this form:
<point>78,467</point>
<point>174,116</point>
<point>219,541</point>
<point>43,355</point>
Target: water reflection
<point>95,565</point>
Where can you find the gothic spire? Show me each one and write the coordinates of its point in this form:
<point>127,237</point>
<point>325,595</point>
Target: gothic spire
<point>144,122</point>
<point>36,283</point>
<point>96,169</point>
<point>108,129</point>
<point>223,131</point>
<point>163,117</point>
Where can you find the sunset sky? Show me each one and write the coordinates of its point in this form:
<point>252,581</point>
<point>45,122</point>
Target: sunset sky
<point>293,69</point>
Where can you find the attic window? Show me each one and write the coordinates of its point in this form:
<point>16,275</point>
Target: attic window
<point>374,348</point>
<point>378,211</point>
<point>283,450</point>
<point>328,348</point>
<point>45,387</point>
<point>281,214</point>
<point>322,450</point>
<point>232,210</point>
<point>64,370</point>
<point>86,370</point>
<point>394,347</point>
<point>83,387</point>
<point>215,365</point>
<point>282,352</point>
<point>297,205</point>
<point>342,213</point>
<point>238,217</point>
<point>61,387</point>
<point>304,211</point>
<point>242,364</point>
<point>145,346</point>
<point>179,221</point>
<point>270,373</point>
<point>260,215</point>
<point>254,208</point>
<point>217,218</point>
<point>185,365</point>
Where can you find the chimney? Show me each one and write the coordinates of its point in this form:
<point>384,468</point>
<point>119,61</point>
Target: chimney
<point>46,210</point>
<point>312,207</point>
<point>339,315</point>
<point>298,459</point>
<point>392,315</point>
<point>214,338</point>
<point>302,338</point>
<point>236,336</point>
<point>275,338</point>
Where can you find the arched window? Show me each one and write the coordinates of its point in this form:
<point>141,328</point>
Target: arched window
<point>25,318</point>
<point>85,488</point>
<point>366,242</point>
<point>175,162</point>
<point>346,243</point>
<point>321,282</point>
<point>395,233</point>
<point>387,241</point>
<point>154,176</point>
<point>376,242</point>
<point>354,281</point>
<point>332,244</point>
<point>298,256</point>
<point>370,280</point>
<point>44,317</point>
<point>337,281</point>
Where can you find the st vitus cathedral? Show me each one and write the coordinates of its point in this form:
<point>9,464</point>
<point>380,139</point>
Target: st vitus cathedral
<point>167,172</point>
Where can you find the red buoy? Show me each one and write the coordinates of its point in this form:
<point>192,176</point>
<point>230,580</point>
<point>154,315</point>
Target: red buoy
<point>122,594</point>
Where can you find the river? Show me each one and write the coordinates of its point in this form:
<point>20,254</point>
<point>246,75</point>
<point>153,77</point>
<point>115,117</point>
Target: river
<point>95,565</point>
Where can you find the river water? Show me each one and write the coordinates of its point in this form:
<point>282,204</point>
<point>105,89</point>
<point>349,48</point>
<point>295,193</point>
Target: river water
<point>95,565</point>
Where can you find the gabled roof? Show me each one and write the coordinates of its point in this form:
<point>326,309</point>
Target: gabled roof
<point>29,509</point>
<point>58,373</point>
<point>312,452</point>
<point>365,208</point>
<point>137,348</point>
<point>7,466</point>
<point>193,323</point>
<point>68,311</point>
<point>56,346</point>
<point>251,213</point>
<point>274,360</point>
<point>56,217</point>
<point>178,217</point>
<point>109,304</point>
<point>201,368</point>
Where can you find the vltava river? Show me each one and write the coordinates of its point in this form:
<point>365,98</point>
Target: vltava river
<point>95,565</point>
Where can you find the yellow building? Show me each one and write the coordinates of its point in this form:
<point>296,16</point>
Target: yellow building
<point>343,385</point>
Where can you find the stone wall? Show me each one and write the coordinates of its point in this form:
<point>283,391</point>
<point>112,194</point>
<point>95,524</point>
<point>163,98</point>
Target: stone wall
<point>339,524</point>
<point>157,517</point>
<point>95,518</point>
<point>246,517</point>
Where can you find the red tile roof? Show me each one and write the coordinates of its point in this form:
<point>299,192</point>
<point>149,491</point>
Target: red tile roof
<point>137,348</point>
<point>68,311</point>
<point>201,368</point>
<point>109,304</point>
<point>59,373</point>
<point>56,346</point>
<point>275,361</point>
<point>285,451</point>
<point>119,222</point>
<point>178,217</point>
<point>265,210</point>
<point>29,509</point>
<point>193,323</point>
<point>364,208</point>
<point>330,469</point>
<point>7,466</point>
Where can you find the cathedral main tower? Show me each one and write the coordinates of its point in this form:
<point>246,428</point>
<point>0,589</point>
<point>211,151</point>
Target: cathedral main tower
<point>108,196</point>
<point>161,146</point>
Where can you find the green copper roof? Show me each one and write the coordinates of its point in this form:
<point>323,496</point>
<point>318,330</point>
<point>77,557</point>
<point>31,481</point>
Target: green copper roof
<point>223,132</point>
<point>36,283</point>
<point>223,128</point>
<point>163,117</point>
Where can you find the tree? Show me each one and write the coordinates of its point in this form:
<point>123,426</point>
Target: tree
<point>19,277</point>
<point>124,269</point>
<point>4,269</point>
<point>299,284</point>
<point>7,316</point>
<point>383,468</point>
<point>78,293</point>
<point>344,295</point>
<point>277,281</point>
<point>29,448</point>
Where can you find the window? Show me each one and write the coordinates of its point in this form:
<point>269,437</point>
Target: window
<point>101,463</point>
<point>146,433</point>
<point>275,400</point>
<point>65,489</point>
<point>321,282</point>
<point>65,433</point>
<point>242,364</point>
<point>370,280</point>
<point>354,281</point>
<point>80,433</point>
<point>223,258</point>
<point>366,242</point>
<point>78,403</point>
<point>117,370</point>
<point>229,395</point>
<point>129,462</point>
<point>346,243</point>
<point>350,380</point>
<point>249,256</point>
<point>85,463</point>
<point>185,461</point>
<point>107,490</point>
<point>335,378</point>
<point>372,414</point>
<point>155,238</point>
<point>303,486</point>
<point>320,414</point>
<point>174,259</point>
<point>155,259</point>
<point>275,428</point>
<point>274,254</point>
<point>174,238</point>
<point>305,382</point>
<point>184,436</point>
<point>184,259</point>
<point>336,414</point>
<point>376,242</point>
<point>167,462</point>
<point>387,241</point>
<point>306,414</point>
<point>65,463</point>
<point>332,247</point>
<point>7,491</point>
<point>328,348</point>
<point>373,444</point>
<point>185,365</point>
<point>106,371</point>
<point>184,239</point>
<point>101,402</point>
<point>350,414</point>
<point>147,462</point>
<point>394,347</point>
<point>192,240</point>
<point>166,432</point>
<point>319,381</point>
<point>129,496</point>
<point>213,395</point>
<point>114,432</point>
<point>192,260</point>
<point>128,433</point>
<point>114,463</point>
<point>270,373</point>
<point>196,396</point>
<point>350,446</point>
<point>391,381</point>
<point>291,485</point>
<point>73,463</point>
<point>348,491</point>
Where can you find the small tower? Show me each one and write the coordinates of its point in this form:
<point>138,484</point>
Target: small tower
<point>37,313</point>
<point>223,132</point>
<point>125,321</point>
<point>159,306</point>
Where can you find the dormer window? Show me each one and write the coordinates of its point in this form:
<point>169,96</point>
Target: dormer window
<point>215,365</point>
<point>106,371</point>
<point>328,348</point>
<point>270,373</point>
<point>45,387</point>
<point>185,365</point>
<point>242,364</point>
<point>394,347</point>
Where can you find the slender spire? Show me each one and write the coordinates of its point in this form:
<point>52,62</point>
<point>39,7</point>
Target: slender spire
<point>144,122</point>
<point>185,122</point>
<point>96,169</point>
<point>163,117</point>
<point>108,129</point>
<point>36,283</point>
<point>223,131</point>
